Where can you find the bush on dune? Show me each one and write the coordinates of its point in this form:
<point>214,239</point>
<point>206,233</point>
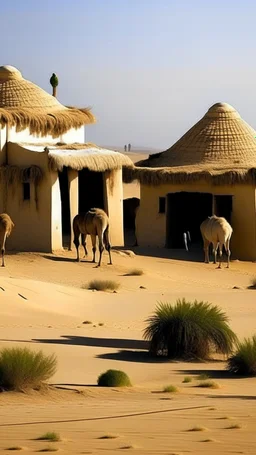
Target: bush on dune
<point>21,368</point>
<point>114,378</point>
<point>189,330</point>
<point>243,361</point>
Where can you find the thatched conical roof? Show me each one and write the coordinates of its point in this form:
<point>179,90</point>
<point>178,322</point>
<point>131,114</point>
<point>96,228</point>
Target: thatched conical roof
<point>221,146</point>
<point>25,105</point>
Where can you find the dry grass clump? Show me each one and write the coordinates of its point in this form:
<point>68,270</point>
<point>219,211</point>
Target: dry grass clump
<point>114,378</point>
<point>243,361</point>
<point>189,330</point>
<point>134,272</point>
<point>49,436</point>
<point>187,379</point>
<point>21,368</point>
<point>170,389</point>
<point>208,385</point>
<point>198,428</point>
<point>103,285</point>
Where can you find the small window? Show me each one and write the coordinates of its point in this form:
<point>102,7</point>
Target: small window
<point>161,207</point>
<point>26,191</point>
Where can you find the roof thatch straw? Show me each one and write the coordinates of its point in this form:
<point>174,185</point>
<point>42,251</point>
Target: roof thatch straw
<point>14,175</point>
<point>80,156</point>
<point>25,105</point>
<point>220,148</point>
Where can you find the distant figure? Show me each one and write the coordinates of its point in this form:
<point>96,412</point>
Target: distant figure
<point>216,230</point>
<point>129,147</point>
<point>125,148</point>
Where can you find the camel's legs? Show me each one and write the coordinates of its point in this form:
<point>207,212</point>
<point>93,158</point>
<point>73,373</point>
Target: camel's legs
<point>215,249</point>
<point>76,242</point>
<point>101,247</point>
<point>93,237</point>
<point>84,244</point>
<point>220,254</point>
<point>107,244</point>
<point>206,250</point>
<point>3,265</point>
<point>228,252</point>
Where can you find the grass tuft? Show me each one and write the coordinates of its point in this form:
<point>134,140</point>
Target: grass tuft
<point>22,368</point>
<point>114,378</point>
<point>134,272</point>
<point>189,330</point>
<point>49,436</point>
<point>197,428</point>
<point>170,389</point>
<point>102,285</point>
<point>243,361</point>
<point>208,385</point>
<point>187,379</point>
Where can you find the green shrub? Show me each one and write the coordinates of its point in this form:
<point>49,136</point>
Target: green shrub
<point>208,385</point>
<point>189,330</point>
<point>187,379</point>
<point>21,368</point>
<point>170,389</point>
<point>114,378</point>
<point>134,272</point>
<point>49,436</point>
<point>243,361</point>
<point>103,285</point>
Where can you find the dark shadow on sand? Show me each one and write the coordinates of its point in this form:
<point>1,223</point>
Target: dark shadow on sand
<point>65,259</point>
<point>117,343</point>
<point>213,374</point>
<point>133,356</point>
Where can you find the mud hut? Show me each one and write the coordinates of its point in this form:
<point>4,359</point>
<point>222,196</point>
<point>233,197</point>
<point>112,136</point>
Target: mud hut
<point>47,173</point>
<point>209,170</point>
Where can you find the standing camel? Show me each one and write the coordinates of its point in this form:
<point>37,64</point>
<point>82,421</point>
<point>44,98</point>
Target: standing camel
<point>6,227</point>
<point>216,230</point>
<point>94,223</point>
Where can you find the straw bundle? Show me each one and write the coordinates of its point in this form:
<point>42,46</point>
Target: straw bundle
<point>25,105</point>
<point>220,148</point>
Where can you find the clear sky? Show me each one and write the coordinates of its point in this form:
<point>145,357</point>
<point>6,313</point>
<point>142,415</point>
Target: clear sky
<point>149,68</point>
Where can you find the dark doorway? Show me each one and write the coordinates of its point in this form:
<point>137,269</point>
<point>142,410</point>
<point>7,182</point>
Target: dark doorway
<point>65,206</point>
<point>91,192</point>
<point>185,212</point>
<point>129,210</point>
<point>223,206</point>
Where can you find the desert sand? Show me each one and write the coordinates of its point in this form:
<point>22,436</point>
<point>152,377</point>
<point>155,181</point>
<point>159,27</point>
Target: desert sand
<point>43,306</point>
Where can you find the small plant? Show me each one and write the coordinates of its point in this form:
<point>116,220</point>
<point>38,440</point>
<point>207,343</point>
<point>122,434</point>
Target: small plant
<point>243,361</point>
<point>134,272</point>
<point>208,385</point>
<point>21,368</point>
<point>114,378</point>
<point>108,436</point>
<point>170,389</point>
<point>189,330</point>
<point>198,428</point>
<point>187,379</point>
<point>49,436</point>
<point>203,377</point>
<point>103,285</point>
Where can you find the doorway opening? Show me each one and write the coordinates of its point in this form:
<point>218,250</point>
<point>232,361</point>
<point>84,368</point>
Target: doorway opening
<point>185,213</point>
<point>129,212</point>
<point>65,206</point>
<point>223,206</point>
<point>91,190</point>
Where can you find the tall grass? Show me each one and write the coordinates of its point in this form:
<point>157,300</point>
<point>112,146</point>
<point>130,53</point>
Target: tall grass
<point>21,368</point>
<point>243,361</point>
<point>102,285</point>
<point>189,330</point>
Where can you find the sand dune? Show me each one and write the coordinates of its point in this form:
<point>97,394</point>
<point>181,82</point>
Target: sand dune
<point>43,306</point>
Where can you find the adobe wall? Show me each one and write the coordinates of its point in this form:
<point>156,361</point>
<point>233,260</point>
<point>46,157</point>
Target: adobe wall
<point>151,225</point>
<point>114,205</point>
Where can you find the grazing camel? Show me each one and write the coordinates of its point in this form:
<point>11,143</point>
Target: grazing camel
<point>6,227</point>
<point>94,223</point>
<point>216,230</point>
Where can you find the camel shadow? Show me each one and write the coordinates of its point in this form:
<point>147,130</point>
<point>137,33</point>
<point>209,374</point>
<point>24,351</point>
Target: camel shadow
<point>117,343</point>
<point>66,259</point>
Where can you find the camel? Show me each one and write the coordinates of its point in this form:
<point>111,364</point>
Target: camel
<point>6,227</point>
<point>216,230</point>
<point>95,223</point>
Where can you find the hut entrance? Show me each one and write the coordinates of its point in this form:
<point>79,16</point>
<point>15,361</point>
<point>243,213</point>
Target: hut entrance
<point>223,206</point>
<point>185,213</point>
<point>65,206</point>
<point>129,210</point>
<point>91,191</point>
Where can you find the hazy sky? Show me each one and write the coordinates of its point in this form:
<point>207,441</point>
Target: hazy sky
<point>149,68</point>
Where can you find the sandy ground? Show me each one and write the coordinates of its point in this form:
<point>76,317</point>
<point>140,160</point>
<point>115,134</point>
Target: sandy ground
<point>43,306</point>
